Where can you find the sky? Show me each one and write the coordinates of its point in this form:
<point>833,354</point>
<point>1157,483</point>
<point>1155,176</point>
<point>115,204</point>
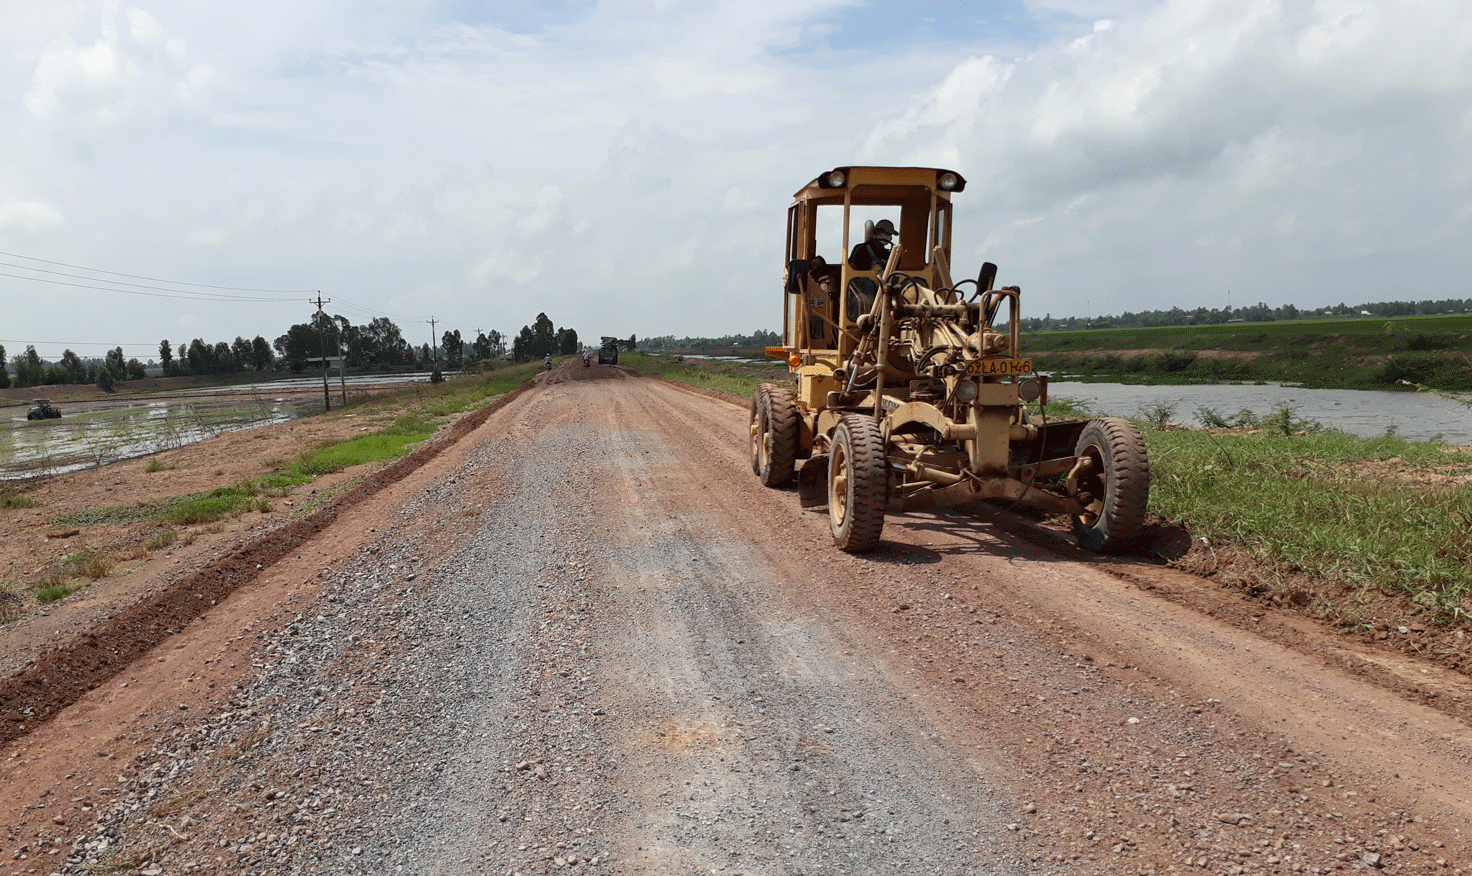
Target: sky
<point>625,166</point>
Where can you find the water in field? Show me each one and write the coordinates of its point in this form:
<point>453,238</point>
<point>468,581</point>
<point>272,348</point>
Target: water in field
<point>1416,416</point>
<point>96,432</point>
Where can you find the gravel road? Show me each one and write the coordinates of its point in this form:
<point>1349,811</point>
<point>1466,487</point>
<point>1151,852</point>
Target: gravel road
<point>588,639</point>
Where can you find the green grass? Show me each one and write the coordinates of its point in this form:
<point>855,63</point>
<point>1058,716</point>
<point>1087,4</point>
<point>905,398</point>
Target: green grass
<point>53,592</point>
<point>10,498</point>
<point>1366,353</point>
<point>737,378</point>
<point>88,563</point>
<point>217,504</point>
<point>1374,512</point>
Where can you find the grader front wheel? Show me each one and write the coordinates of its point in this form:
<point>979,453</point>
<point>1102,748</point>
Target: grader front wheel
<point>774,435</point>
<point>857,484</point>
<point>1115,473</point>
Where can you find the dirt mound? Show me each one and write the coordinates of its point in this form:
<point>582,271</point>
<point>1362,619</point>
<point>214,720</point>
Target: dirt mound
<point>573,369</point>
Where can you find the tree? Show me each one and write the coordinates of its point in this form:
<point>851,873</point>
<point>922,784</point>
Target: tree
<point>136,371</point>
<point>260,353</point>
<point>631,343</point>
<point>300,342</point>
<point>496,343</point>
<point>166,356</point>
<point>452,344</point>
<point>567,341</point>
<point>241,353</point>
<point>4,372</point>
<point>521,348</point>
<point>28,367</point>
<point>115,361</point>
<point>544,337</point>
<point>382,343</point>
<point>104,379</point>
<point>76,372</point>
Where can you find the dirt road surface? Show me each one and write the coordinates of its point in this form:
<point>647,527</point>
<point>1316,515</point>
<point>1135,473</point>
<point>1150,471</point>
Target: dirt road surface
<point>584,638</point>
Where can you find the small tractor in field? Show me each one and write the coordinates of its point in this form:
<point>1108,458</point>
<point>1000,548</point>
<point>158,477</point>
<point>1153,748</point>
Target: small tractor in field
<point>608,353</point>
<point>43,410</point>
<point>911,390</point>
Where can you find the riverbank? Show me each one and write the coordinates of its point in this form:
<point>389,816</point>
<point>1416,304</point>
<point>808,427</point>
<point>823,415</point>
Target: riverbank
<point>1431,351</point>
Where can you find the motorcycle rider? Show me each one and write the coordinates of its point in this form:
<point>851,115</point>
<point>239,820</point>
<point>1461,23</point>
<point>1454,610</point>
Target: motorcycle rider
<point>547,363</point>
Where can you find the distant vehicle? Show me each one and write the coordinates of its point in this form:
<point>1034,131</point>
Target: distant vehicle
<point>608,353</point>
<point>43,410</point>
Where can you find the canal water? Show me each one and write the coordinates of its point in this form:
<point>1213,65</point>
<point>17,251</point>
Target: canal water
<point>1417,416</point>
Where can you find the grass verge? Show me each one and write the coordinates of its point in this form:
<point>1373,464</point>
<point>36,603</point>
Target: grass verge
<point>736,377</point>
<point>1381,513</point>
<point>11,498</point>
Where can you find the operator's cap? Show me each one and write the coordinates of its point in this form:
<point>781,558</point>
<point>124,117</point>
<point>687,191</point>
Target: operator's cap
<point>885,225</point>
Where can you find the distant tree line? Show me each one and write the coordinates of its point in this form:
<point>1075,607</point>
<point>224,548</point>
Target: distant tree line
<point>757,338</point>
<point>31,370</point>
<point>378,345</point>
<point>1259,312</point>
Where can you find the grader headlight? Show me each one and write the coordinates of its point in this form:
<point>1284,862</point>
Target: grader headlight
<point>967,390</point>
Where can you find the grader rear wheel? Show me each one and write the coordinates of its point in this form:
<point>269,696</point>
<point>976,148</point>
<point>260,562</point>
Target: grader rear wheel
<point>857,484</point>
<point>1115,473</point>
<point>774,435</point>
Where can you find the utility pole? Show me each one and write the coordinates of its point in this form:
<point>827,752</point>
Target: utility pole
<point>433,350</point>
<point>322,348</point>
<point>342,369</point>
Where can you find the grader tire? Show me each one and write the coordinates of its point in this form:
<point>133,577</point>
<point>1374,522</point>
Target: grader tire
<point>1118,482</point>
<point>858,482</point>
<point>774,435</point>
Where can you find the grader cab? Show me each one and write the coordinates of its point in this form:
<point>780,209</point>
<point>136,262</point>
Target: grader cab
<point>911,390</point>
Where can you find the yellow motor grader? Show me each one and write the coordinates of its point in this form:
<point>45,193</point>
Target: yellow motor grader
<point>911,388</point>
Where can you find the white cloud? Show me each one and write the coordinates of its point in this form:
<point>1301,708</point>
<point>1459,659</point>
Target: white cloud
<point>29,216</point>
<point>127,75</point>
<point>1275,132</point>
<point>626,165</point>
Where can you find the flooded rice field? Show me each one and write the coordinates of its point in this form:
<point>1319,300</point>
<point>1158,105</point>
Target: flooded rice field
<point>93,432</point>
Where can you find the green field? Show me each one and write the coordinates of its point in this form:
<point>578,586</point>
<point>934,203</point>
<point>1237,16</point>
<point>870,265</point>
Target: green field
<point>1362,353</point>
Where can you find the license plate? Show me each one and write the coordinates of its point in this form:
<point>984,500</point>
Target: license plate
<point>999,367</point>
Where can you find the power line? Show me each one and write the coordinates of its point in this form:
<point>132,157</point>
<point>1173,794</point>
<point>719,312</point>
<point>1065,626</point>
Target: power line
<point>108,345</point>
<point>368,310</point>
<point>187,296</point>
<point>150,279</point>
